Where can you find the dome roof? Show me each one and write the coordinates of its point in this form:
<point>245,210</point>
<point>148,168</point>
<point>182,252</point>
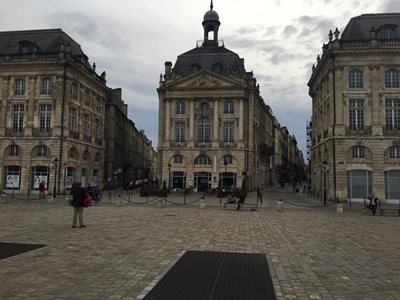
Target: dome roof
<point>211,15</point>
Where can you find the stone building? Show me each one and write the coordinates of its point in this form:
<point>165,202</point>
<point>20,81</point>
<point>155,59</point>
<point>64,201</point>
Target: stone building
<point>129,152</point>
<point>355,92</point>
<point>214,127</point>
<point>53,113</point>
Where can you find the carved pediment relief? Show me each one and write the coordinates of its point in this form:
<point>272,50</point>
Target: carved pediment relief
<point>203,80</point>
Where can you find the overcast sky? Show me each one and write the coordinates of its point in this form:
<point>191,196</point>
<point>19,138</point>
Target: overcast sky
<point>131,40</point>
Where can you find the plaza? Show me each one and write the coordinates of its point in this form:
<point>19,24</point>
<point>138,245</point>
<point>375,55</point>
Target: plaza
<point>313,252</point>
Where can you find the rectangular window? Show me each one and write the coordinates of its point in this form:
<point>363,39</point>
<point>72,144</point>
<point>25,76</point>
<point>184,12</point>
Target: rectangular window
<point>356,114</point>
<point>44,117</point>
<point>20,87</point>
<point>228,107</point>
<point>356,79</point>
<point>18,118</point>
<point>98,104</point>
<point>85,125</point>
<point>46,86</point>
<point>204,131</point>
<point>180,132</point>
<point>87,98</point>
<point>97,128</point>
<point>228,132</point>
<point>392,79</point>
<point>392,114</point>
<point>72,119</point>
<point>74,91</point>
<point>180,108</point>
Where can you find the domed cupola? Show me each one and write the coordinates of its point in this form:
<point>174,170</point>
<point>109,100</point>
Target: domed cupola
<point>211,25</point>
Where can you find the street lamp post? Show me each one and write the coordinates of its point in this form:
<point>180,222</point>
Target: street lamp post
<point>223,177</point>
<point>55,162</point>
<point>169,178</point>
<point>324,166</point>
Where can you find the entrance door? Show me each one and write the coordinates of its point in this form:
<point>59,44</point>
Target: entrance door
<point>227,180</point>
<point>359,184</point>
<point>202,181</point>
<point>392,186</point>
<point>178,180</point>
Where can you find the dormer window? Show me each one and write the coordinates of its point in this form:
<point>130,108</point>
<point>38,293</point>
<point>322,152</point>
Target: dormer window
<point>217,68</point>
<point>25,47</point>
<point>195,68</point>
<point>387,33</point>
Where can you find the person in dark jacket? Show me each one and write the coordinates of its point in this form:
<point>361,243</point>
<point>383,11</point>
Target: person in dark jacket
<point>78,194</point>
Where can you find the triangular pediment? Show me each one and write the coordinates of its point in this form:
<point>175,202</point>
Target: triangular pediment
<point>204,79</point>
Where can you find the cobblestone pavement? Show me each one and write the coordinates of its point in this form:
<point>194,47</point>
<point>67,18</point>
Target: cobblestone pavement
<point>314,253</point>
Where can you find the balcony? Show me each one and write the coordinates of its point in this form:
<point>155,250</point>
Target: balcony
<point>41,133</point>
<point>391,131</point>
<point>11,132</point>
<point>87,138</point>
<point>202,144</point>
<point>98,141</point>
<point>74,134</point>
<point>228,144</point>
<point>362,131</point>
<point>178,144</point>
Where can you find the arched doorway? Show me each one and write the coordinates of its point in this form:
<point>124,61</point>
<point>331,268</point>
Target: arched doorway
<point>202,181</point>
<point>178,180</point>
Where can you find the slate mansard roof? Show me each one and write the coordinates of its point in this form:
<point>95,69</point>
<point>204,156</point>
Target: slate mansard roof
<point>47,41</point>
<point>360,27</point>
<point>216,59</point>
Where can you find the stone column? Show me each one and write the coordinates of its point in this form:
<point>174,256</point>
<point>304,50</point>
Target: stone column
<point>167,120</point>
<point>216,122</point>
<point>241,113</point>
<point>191,121</point>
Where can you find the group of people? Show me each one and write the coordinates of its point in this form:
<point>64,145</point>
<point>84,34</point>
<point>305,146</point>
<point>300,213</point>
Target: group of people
<point>78,202</point>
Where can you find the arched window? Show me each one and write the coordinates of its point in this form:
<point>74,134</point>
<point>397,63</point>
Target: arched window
<point>42,150</point>
<point>394,152</point>
<point>356,80</point>
<point>202,160</point>
<point>97,157</point>
<point>358,152</point>
<point>204,130</point>
<point>13,150</point>
<point>392,79</point>
<point>86,155</point>
<point>73,153</point>
<point>204,107</point>
<point>178,159</point>
<point>228,159</point>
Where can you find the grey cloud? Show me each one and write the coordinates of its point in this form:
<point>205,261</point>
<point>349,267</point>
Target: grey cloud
<point>390,6</point>
<point>289,30</point>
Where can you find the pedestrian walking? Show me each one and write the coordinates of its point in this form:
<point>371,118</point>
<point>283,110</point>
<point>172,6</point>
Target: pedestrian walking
<point>78,195</point>
<point>42,188</point>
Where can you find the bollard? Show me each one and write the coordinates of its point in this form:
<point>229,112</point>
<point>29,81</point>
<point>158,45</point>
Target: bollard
<point>118,201</point>
<point>202,203</point>
<point>280,205</point>
<point>4,198</point>
<point>339,208</point>
<point>160,202</point>
<point>50,199</point>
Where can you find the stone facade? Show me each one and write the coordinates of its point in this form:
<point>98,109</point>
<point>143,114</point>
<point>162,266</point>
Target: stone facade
<point>214,127</point>
<point>356,115</point>
<point>53,114</point>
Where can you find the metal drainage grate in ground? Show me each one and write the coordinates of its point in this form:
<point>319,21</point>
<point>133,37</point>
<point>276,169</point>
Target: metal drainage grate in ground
<point>208,275</point>
<point>11,249</point>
